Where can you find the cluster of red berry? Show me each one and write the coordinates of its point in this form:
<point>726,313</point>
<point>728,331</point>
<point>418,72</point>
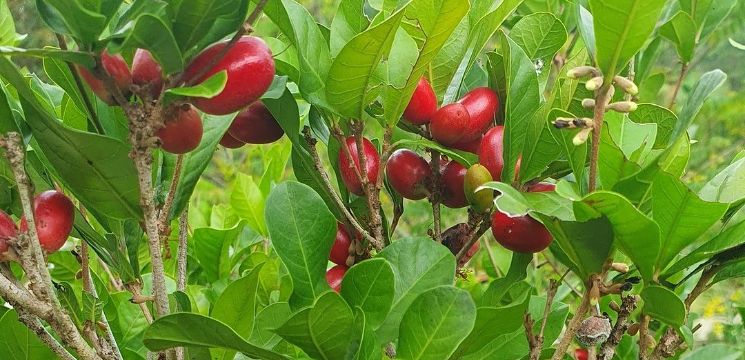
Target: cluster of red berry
<point>54,215</point>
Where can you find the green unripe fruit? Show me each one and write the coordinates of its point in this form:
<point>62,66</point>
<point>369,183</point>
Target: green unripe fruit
<point>476,176</point>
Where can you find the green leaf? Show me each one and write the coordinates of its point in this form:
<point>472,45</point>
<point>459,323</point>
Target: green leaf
<point>491,323</point>
<point>613,165</point>
<point>8,34</point>
<point>369,348</point>
<point>369,285</point>
<point>464,158</point>
<point>208,89</point>
<point>248,202</point>
<point>302,230</point>
<point>664,305</point>
<point>78,57</point>
<point>18,342</point>
<point>725,240</point>
<point>621,28</point>
<point>586,29</point>
<point>436,22</point>
<point>196,161</point>
<point>730,271</point>
<point>349,21</point>
<point>635,140</point>
<point>655,114</point>
<point>324,331</point>
<point>419,264</point>
<point>726,186</point>
<point>541,35</point>
<point>523,100</point>
<point>575,154</point>
<point>211,248</point>
<point>435,324</point>
<point>705,86</point>
<point>681,30</point>
<point>350,78</point>
<point>587,244</point>
<point>70,303</point>
<point>187,329</point>
<point>517,272</point>
<point>110,185</point>
<point>515,203</point>
<point>70,17</point>
<point>710,19</point>
<point>714,351</point>
<point>682,216</point>
<point>266,320</point>
<point>634,233</point>
<point>236,306</point>
<point>152,33</point>
<point>198,23</point>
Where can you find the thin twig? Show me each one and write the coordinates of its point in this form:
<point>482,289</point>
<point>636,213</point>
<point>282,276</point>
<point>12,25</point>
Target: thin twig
<point>436,195</point>
<point>92,115</point>
<point>136,290</point>
<point>165,211</point>
<point>678,85</point>
<point>576,320</point>
<point>644,337</point>
<point>182,250</point>
<point>535,341</point>
<point>477,230</point>
<point>109,343</point>
<point>601,101</point>
<point>37,328</point>
<point>608,348</point>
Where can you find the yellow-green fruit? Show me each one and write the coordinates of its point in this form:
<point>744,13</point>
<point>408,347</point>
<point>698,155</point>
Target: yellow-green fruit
<point>476,176</point>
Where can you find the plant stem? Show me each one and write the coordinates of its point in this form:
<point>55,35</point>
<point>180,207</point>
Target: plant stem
<point>601,101</point>
<point>37,328</point>
<point>608,348</point>
<point>165,211</point>
<point>678,84</point>
<point>477,230</point>
<point>576,320</point>
<point>536,341</point>
<point>435,195</point>
<point>182,250</point>
<point>92,115</point>
<point>110,343</point>
<point>644,337</point>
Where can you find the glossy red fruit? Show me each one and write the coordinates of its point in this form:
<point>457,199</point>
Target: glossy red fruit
<point>521,233</point>
<point>340,249</point>
<point>117,68</point>
<point>8,230</point>
<point>230,142</point>
<point>147,72</point>
<point>371,168</point>
<point>453,176</point>
<point>449,125</point>
<point>542,187</point>
<point>256,125</point>
<point>408,173</point>
<point>250,69</point>
<point>482,105</point>
<point>491,152</point>
<point>581,354</point>
<point>54,215</point>
<point>469,146</point>
<point>335,275</point>
<point>423,104</point>
<point>182,131</point>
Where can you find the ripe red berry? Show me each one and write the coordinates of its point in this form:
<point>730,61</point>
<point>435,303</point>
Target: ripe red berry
<point>469,146</point>
<point>542,187</point>
<point>449,125</point>
<point>230,142</point>
<point>340,249</point>
<point>491,152</point>
<point>581,354</point>
<point>482,105</point>
<point>372,165</point>
<point>54,215</point>
<point>521,233</point>
<point>182,131</point>
<point>335,275</point>
<point>147,72</point>
<point>408,174</point>
<point>256,125</point>
<point>423,104</point>
<point>117,68</point>
<point>453,176</point>
<point>8,230</point>
<point>250,69</point>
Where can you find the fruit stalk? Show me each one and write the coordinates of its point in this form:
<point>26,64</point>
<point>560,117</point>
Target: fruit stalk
<point>602,99</point>
<point>478,228</point>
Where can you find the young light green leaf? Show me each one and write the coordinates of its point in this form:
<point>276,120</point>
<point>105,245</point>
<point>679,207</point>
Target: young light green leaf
<point>726,187</point>
<point>681,31</point>
<point>586,29</point>
<point>349,21</point>
<point>621,28</point>
<point>705,86</point>
<point>209,88</point>
<point>248,202</point>
<point>369,285</point>
<point>435,324</point>
<point>664,305</point>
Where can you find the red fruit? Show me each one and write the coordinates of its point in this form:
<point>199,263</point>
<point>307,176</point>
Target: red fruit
<point>182,131</point>
<point>230,142</point>
<point>453,176</point>
<point>250,69</point>
<point>450,125</point>
<point>8,230</point>
<point>469,146</point>
<point>581,354</point>
<point>542,187</point>
<point>340,249</point>
<point>521,233</point>
<point>335,275</point>
<point>147,72</point>
<point>491,152</point>
<point>408,174</point>
<point>117,68</point>
<point>54,215</point>
<point>423,104</point>
<point>256,125</point>
<point>372,165</point>
<point>482,105</point>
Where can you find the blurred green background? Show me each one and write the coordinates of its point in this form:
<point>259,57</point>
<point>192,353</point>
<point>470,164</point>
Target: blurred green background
<point>719,134</point>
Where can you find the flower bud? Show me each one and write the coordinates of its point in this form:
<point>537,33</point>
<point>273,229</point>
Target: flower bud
<point>627,85</point>
<point>582,71</point>
<point>588,103</point>
<point>581,137</point>
<point>623,106</point>
<point>633,329</point>
<point>620,267</point>
<point>594,83</point>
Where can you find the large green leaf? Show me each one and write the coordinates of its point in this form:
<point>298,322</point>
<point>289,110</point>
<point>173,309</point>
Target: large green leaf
<point>682,216</point>
<point>634,233</point>
<point>248,202</point>
<point>621,28</point>
<point>8,36</point>
<point>613,164</point>
<point>198,23</point>
<point>726,239</point>
<point>302,230</point>
<point>705,86</point>
<point>587,244</point>
<point>419,264</point>
<point>78,57</point>
<point>663,117</point>
<point>349,21</point>
<point>726,186</point>
<point>664,305</point>
<point>211,248</point>
<point>266,320</point>
<point>110,185</point>
<point>541,35</point>
<point>236,307</point>
<point>681,30</point>
<point>18,342</point>
<point>369,285</point>
<point>324,331</point>
<point>350,78</point>
<point>187,329</point>
<point>522,102</point>
<point>435,324</point>
<point>152,33</point>
<point>71,17</point>
<point>491,323</point>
